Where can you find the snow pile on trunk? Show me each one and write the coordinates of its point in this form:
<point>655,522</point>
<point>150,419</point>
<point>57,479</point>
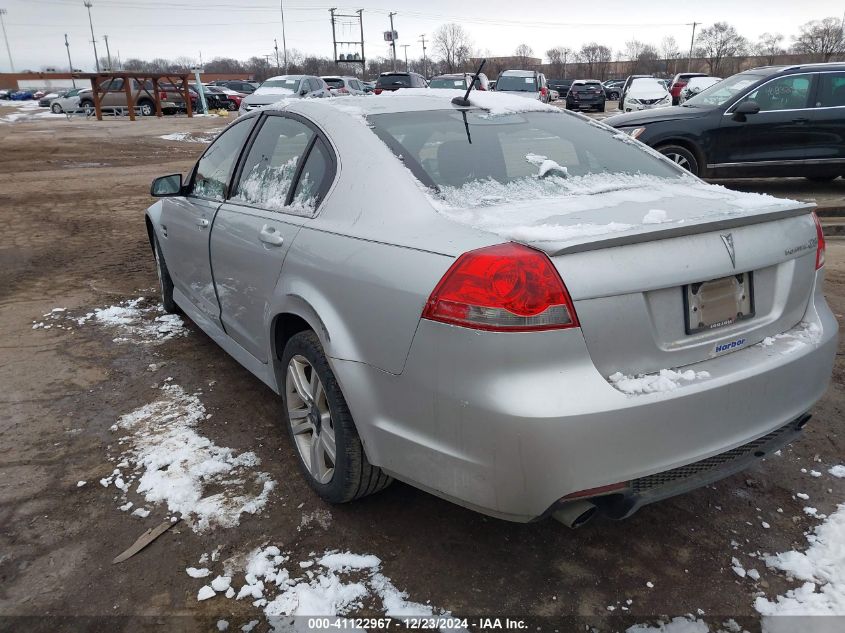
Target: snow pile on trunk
<point>797,338</point>
<point>330,584</point>
<point>175,465</point>
<point>821,567</point>
<point>664,380</point>
<point>137,322</point>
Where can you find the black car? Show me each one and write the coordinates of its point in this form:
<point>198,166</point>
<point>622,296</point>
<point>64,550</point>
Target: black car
<point>395,81</point>
<point>613,88</point>
<point>586,95</point>
<point>773,121</point>
<point>244,87</point>
<point>561,85</point>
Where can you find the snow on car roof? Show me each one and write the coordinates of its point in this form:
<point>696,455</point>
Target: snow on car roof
<point>420,99</point>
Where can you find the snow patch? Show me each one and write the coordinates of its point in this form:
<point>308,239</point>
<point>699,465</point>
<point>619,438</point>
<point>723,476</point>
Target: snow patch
<point>662,381</point>
<point>655,216</point>
<point>837,471</point>
<point>176,465</point>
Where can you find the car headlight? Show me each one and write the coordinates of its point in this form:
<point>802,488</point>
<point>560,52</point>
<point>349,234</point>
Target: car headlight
<point>632,100</point>
<point>665,99</point>
<point>634,132</point>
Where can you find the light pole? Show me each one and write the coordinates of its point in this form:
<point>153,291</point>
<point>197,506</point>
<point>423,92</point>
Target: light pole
<point>284,44</point>
<point>6,38</point>
<point>392,40</point>
<point>69,63</point>
<point>405,46</point>
<point>425,63</point>
<point>691,43</point>
<point>88,6</point>
<point>108,52</point>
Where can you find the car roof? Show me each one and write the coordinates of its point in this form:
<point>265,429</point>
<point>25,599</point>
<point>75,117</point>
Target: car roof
<point>287,77</point>
<point>520,73</point>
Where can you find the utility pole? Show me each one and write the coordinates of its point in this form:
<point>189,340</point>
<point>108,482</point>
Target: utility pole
<point>392,39</point>
<point>69,63</point>
<point>88,6</point>
<point>6,39</point>
<point>284,44</point>
<point>108,52</point>
<point>276,47</point>
<point>691,43</point>
<point>425,63</point>
<point>405,46</point>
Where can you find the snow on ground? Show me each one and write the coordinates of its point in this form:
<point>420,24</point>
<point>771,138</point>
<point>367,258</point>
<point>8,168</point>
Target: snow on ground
<point>664,380</point>
<point>18,111</point>
<point>687,624</point>
<point>332,583</point>
<point>837,471</point>
<point>136,321</point>
<point>821,568</point>
<point>169,462</point>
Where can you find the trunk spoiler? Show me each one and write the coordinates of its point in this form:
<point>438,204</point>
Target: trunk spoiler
<point>612,240</point>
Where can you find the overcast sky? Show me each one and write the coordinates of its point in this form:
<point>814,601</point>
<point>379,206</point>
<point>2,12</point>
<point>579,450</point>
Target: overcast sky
<point>243,28</point>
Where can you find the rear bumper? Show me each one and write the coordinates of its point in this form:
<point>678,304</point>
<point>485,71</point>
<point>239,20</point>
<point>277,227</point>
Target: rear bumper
<point>509,424</point>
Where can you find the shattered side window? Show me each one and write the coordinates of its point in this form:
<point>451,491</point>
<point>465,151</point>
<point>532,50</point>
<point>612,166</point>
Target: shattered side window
<point>215,167</point>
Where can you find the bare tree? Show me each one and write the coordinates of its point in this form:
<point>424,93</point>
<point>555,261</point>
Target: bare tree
<point>768,45</point>
<point>595,58</point>
<point>821,38</point>
<point>557,59</point>
<point>669,51</point>
<point>453,44</point>
<point>717,42</point>
<point>523,54</point>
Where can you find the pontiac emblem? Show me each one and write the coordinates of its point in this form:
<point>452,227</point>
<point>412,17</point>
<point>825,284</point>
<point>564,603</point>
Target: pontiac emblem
<point>728,239</point>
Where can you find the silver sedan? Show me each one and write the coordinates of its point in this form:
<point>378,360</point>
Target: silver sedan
<point>502,303</point>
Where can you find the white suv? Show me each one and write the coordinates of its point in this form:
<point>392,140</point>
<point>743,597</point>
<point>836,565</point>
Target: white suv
<point>524,83</point>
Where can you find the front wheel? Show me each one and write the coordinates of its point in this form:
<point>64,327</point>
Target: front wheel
<point>56,108</point>
<point>681,156</point>
<point>331,456</point>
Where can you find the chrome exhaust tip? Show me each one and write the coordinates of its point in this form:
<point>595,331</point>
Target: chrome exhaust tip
<point>575,514</point>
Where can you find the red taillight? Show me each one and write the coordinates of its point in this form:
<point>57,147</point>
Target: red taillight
<point>820,245</point>
<point>377,91</point>
<point>162,95</point>
<point>503,288</point>
<point>544,91</point>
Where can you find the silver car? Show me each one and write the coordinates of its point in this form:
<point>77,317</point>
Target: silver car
<point>536,315</point>
<point>284,87</point>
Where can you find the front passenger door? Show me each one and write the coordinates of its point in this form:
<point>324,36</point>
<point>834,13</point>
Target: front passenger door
<point>775,140</point>
<point>186,221</point>
<point>281,182</point>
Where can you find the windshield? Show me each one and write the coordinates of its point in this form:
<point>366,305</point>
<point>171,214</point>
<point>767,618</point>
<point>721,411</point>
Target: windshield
<point>724,91</point>
<point>586,88</point>
<point>403,81</point>
<point>533,153</point>
<point>334,82</point>
<point>290,84</point>
<point>448,82</point>
<point>647,86</point>
<point>516,84</point>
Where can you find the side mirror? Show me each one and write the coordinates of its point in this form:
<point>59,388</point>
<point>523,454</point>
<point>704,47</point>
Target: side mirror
<point>303,92</point>
<point>744,108</point>
<point>165,186</point>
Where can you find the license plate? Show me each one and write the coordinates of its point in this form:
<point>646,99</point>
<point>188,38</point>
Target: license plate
<point>719,302</point>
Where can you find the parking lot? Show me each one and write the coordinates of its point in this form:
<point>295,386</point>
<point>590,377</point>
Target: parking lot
<point>73,195</point>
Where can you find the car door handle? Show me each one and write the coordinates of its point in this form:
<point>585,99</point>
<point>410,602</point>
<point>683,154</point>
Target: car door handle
<point>801,121</point>
<point>202,223</point>
<point>269,235</point>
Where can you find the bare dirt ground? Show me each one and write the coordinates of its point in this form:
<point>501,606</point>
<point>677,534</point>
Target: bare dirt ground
<point>72,196</point>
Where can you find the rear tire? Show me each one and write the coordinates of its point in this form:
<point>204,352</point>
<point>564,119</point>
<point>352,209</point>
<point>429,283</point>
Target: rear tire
<point>56,108</point>
<point>681,156</point>
<point>319,423</point>
<point>146,108</point>
<point>86,105</point>
<point>164,281</point>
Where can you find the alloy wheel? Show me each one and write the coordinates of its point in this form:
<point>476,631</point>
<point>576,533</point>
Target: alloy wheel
<point>679,160</point>
<point>310,419</point>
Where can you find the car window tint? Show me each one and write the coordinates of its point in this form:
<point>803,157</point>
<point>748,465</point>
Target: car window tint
<point>831,90</point>
<point>270,167</point>
<point>215,166</point>
<point>311,183</point>
<point>785,93</point>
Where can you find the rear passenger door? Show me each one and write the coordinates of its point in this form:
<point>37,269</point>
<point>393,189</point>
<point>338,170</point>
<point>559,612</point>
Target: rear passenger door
<point>827,128</point>
<point>281,182</point>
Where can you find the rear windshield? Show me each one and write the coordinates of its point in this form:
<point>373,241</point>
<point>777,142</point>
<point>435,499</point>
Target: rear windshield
<point>586,88</point>
<point>448,152</point>
<point>403,81</point>
<point>448,82</point>
<point>517,84</point>
<point>334,83</point>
